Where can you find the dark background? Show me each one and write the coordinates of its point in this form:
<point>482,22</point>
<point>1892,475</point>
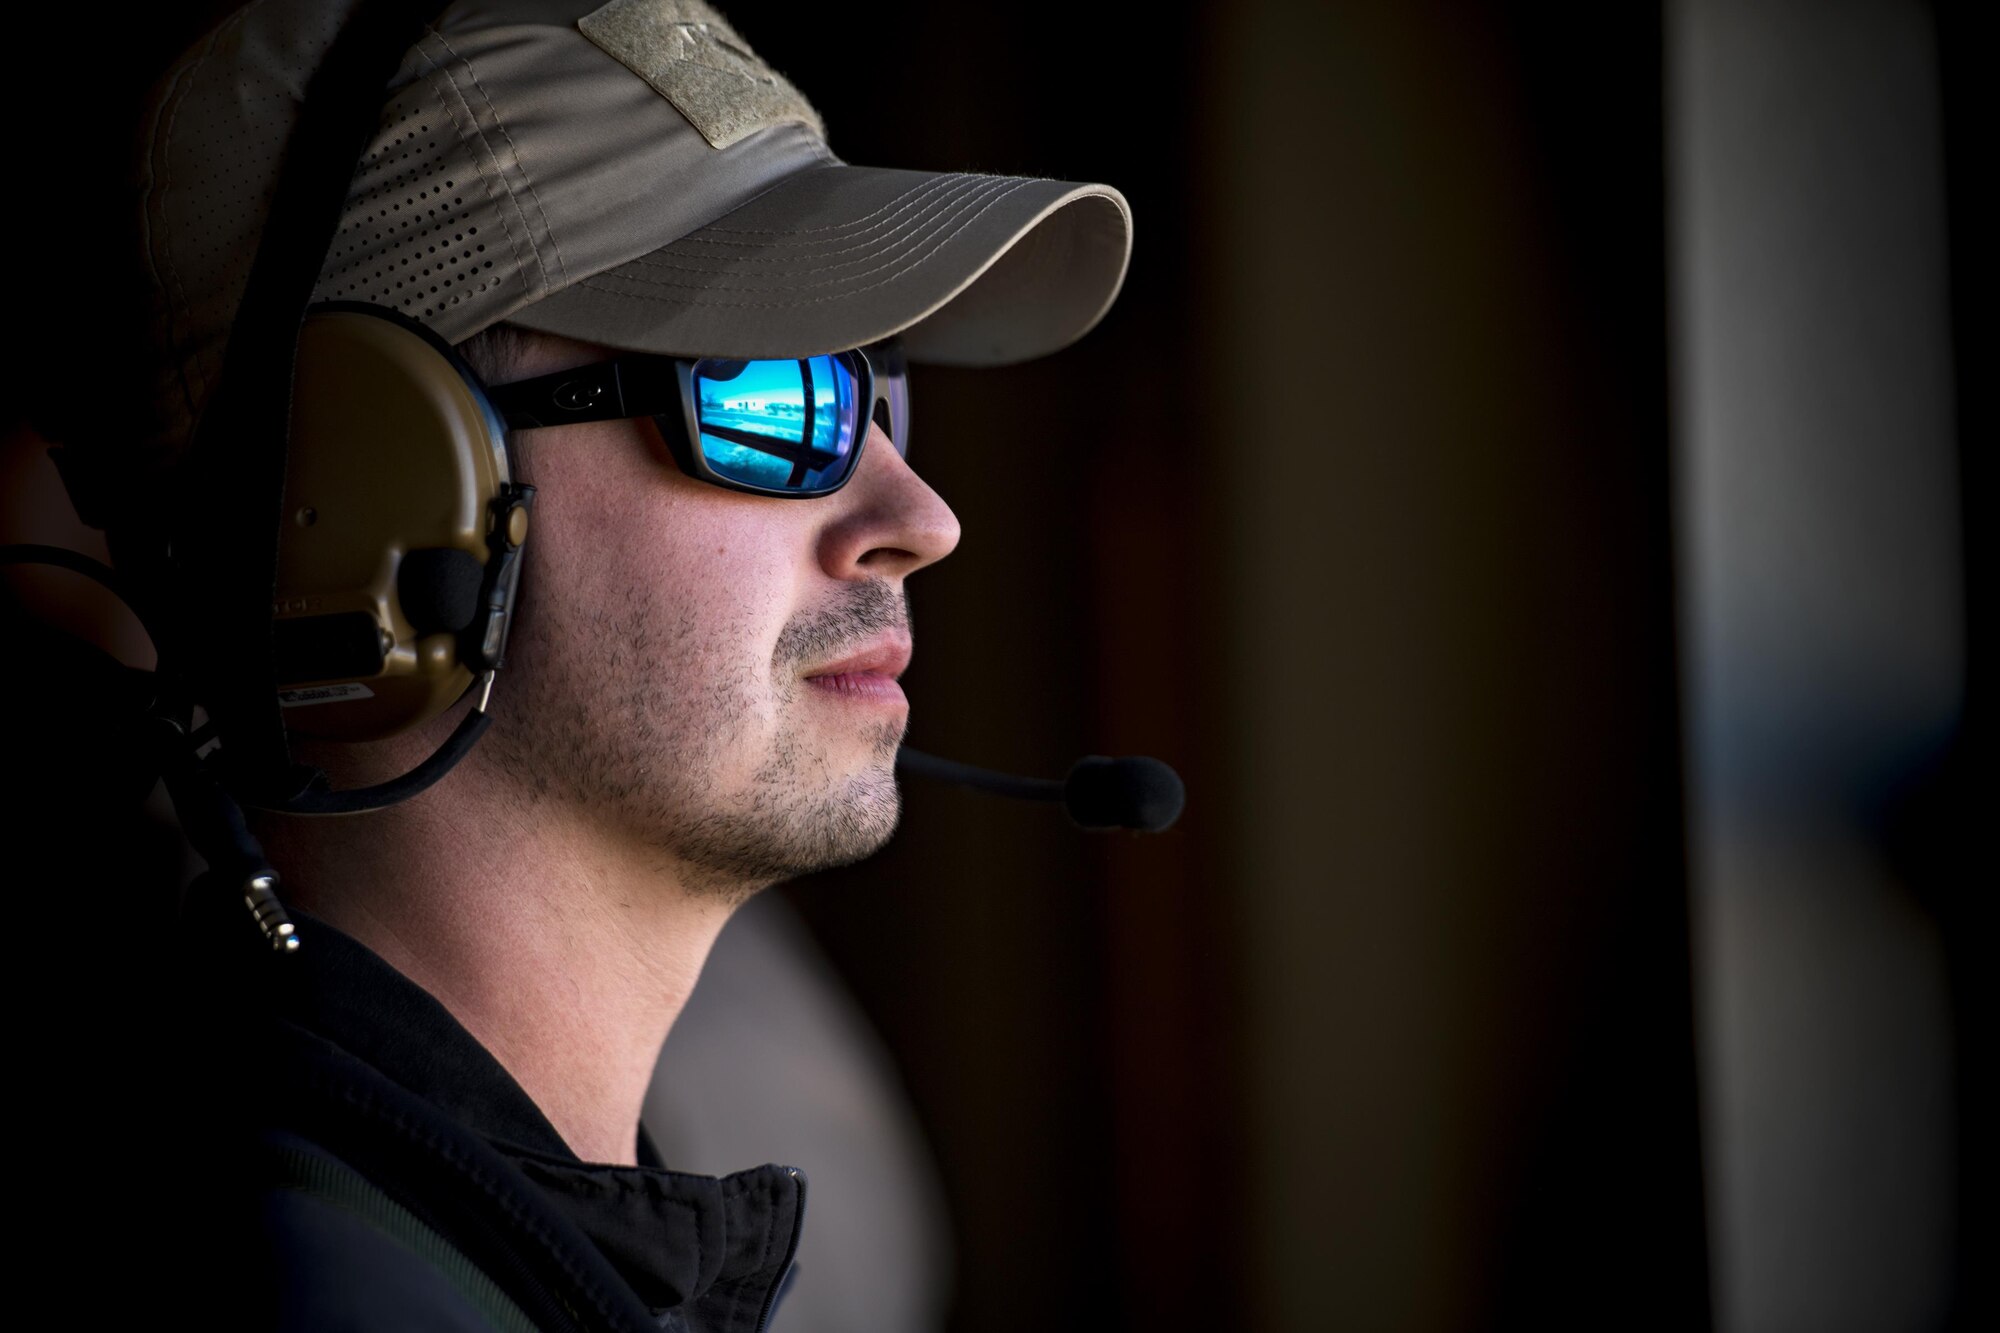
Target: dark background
<point>1434,1065</point>
<point>1356,508</point>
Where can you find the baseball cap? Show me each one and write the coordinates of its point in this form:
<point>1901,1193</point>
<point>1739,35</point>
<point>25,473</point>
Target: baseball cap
<point>628,173</point>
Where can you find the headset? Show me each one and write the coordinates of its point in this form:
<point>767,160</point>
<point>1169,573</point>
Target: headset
<point>399,554</point>
<point>360,581</point>
<point>351,585</point>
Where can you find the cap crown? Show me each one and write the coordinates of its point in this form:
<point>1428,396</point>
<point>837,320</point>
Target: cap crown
<point>519,150</point>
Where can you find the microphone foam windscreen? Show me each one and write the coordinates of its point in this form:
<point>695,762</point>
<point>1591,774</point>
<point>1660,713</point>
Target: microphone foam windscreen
<point>439,588</point>
<point>1136,792</point>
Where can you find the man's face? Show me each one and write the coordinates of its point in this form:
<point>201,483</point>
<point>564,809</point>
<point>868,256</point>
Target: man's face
<point>667,677</point>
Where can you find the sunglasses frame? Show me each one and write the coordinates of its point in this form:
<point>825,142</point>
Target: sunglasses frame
<point>642,384</point>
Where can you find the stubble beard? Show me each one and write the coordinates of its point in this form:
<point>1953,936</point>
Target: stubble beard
<point>599,722</point>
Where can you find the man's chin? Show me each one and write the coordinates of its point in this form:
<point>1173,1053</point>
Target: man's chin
<point>734,856</point>
<point>864,825</point>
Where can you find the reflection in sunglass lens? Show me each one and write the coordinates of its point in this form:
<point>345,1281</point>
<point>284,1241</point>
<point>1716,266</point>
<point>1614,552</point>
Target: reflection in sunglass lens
<point>896,388</point>
<point>781,425</point>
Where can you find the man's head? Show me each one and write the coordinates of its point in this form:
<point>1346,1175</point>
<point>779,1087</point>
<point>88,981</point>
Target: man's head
<point>668,678</point>
<point>628,178</point>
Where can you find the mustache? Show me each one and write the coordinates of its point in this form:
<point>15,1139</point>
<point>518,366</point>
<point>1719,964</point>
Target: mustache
<point>863,611</point>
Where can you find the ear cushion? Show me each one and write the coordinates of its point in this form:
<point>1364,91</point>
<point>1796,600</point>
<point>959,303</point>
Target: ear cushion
<point>394,462</point>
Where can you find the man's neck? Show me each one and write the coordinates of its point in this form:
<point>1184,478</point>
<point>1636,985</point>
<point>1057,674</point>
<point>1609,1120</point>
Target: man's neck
<point>567,954</point>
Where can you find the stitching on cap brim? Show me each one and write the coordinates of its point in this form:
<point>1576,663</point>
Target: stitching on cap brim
<point>918,233</point>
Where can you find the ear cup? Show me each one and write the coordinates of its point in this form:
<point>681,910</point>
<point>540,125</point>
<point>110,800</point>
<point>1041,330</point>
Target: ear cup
<point>396,463</point>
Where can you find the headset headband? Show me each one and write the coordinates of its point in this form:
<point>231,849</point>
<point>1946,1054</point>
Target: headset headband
<point>226,557</point>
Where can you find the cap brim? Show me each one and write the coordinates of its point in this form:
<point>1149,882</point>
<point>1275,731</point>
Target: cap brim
<point>970,270</point>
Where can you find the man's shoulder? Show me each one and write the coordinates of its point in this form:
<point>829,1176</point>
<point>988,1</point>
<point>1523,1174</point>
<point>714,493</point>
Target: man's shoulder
<point>315,1193</point>
<point>339,1253</point>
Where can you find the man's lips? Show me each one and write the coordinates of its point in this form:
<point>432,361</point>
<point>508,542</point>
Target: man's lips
<point>879,657</point>
<point>867,674</point>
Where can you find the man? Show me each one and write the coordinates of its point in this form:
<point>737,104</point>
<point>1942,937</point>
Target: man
<point>430,1110</point>
<point>666,746</point>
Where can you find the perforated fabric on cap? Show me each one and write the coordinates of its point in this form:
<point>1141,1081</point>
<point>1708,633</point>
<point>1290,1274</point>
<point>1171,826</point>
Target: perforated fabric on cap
<point>416,231</point>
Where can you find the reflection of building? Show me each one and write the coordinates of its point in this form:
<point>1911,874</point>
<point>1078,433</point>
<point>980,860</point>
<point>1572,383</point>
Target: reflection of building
<point>772,407</point>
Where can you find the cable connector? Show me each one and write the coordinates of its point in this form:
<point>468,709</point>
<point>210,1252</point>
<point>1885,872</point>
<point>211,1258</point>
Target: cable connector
<point>260,895</point>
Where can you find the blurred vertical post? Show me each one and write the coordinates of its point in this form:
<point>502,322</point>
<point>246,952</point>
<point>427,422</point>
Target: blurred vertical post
<point>1441,438</point>
<point>1824,617</point>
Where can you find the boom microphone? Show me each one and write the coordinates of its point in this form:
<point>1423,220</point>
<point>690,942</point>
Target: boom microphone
<point>1134,792</point>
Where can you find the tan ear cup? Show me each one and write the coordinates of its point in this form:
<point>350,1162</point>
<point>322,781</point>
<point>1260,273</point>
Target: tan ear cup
<point>395,465</point>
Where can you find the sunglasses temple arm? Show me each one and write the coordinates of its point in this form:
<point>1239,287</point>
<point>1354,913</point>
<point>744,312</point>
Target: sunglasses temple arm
<point>537,402</point>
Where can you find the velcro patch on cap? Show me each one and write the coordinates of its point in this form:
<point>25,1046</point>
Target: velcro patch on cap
<point>694,59</point>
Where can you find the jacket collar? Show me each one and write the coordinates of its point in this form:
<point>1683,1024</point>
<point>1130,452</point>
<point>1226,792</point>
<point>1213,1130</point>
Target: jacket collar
<point>713,1249</point>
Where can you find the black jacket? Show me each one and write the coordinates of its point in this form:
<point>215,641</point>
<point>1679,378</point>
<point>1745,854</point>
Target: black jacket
<point>360,1161</point>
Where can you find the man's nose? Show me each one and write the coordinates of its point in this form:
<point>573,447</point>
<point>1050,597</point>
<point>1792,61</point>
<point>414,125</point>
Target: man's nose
<point>891,522</point>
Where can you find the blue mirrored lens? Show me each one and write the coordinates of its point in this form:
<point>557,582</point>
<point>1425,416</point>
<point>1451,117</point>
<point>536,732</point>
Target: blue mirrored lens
<point>781,425</point>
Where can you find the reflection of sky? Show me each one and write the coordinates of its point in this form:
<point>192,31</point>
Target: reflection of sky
<point>768,399</point>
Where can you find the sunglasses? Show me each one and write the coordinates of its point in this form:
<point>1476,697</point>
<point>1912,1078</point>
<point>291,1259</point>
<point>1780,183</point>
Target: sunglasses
<point>785,427</point>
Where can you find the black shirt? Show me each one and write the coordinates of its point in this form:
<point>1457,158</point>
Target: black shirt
<point>347,1054</point>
